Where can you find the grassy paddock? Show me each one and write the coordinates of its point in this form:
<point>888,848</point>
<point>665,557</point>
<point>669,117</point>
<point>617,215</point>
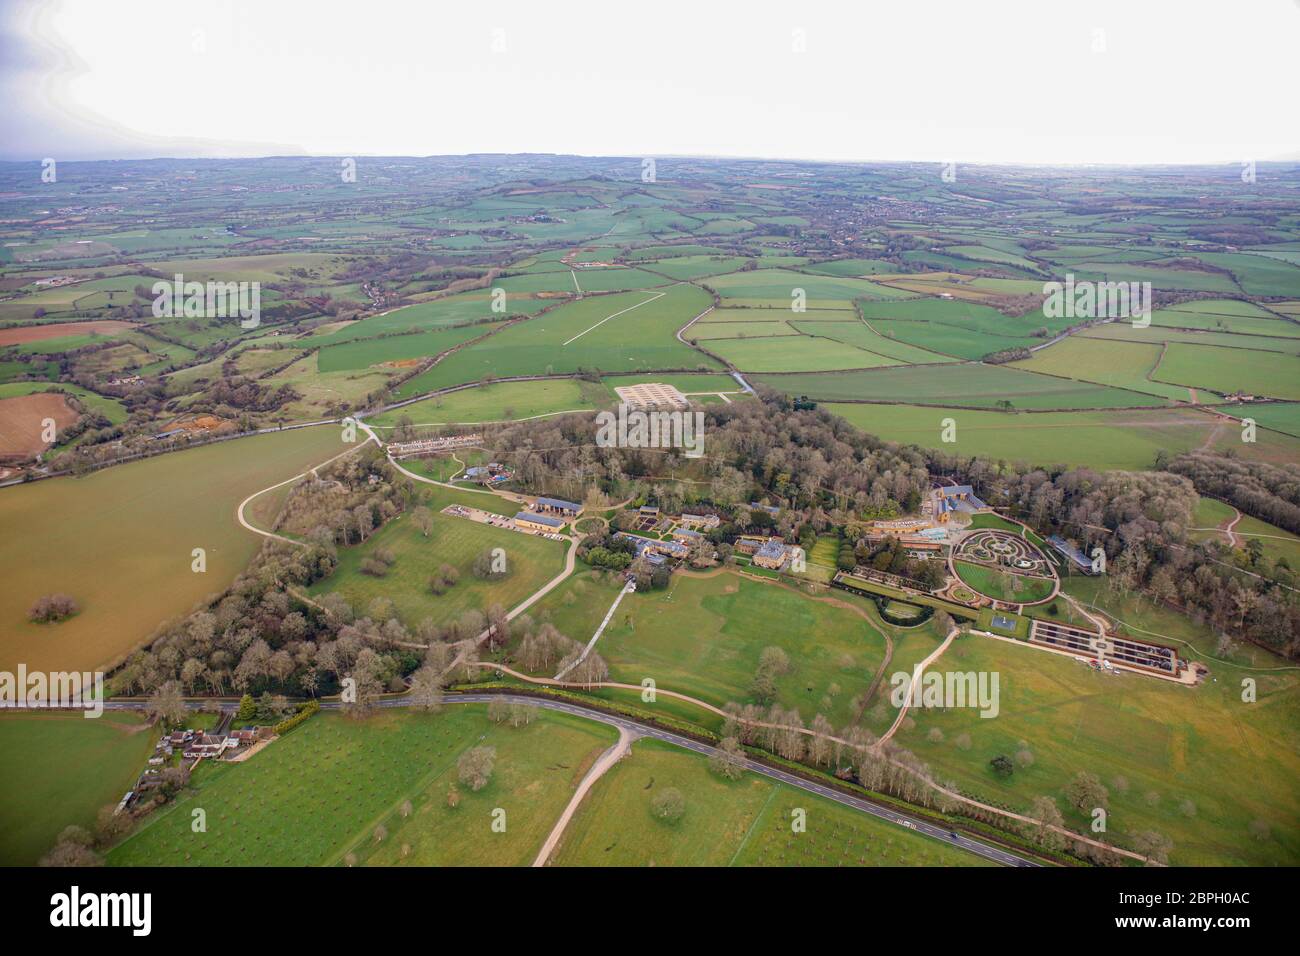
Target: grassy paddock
<point>142,519</point>
<point>1154,745</point>
<point>59,770</point>
<point>742,823</point>
<point>532,561</point>
<point>319,793</point>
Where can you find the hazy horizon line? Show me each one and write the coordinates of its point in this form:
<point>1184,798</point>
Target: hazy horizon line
<point>715,157</point>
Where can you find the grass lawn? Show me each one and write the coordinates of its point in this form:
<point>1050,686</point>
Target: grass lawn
<point>143,519</point>
<point>628,332</point>
<point>1153,744</point>
<point>861,335</point>
<point>1231,370</point>
<point>59,770</point>
<point>456,541</point>
<point>538,769</point>
<point>319,792</point>
<point>985,580</point>
<point>795,354</point>
<point>977,386</point>
<point>703,637</point>
<point>1277,542</point>
<point>498,402</point>
<point>364,353</point>
<point>825,553</point>
<point>996,522</point>
<point>781,283</point>
<point>1125,364</point>
<point>451,310</point>
<point>1279,416</point>
<point>1117,439</point>
<point>742,823</point>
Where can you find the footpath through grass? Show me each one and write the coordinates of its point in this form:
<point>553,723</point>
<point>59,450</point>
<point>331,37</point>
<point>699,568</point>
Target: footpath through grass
<point>747,822</point>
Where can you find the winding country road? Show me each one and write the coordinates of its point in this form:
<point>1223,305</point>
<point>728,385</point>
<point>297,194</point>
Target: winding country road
<point>635,729</point>
<point>239,511</point>
<point>624,724</point>
<point>647,730</point>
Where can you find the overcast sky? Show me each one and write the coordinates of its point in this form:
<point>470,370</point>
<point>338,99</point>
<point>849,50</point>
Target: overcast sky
<point>1042,81</point>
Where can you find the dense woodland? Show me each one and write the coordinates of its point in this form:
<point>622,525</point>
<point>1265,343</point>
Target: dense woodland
<point>1141,519</point>
<point>264,636</point>
<point>1268,492</point>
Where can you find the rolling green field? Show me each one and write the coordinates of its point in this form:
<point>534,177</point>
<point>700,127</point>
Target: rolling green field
<point>703,638</point>
<point>452,310</point>
<point>141,520</point>
<point>321,392</point>
<point>1231,370</point>
<point>1122,364</point>
<point>706,331</point>
<point>538,768</point>
<point>588,333</point>
<point>1225,315</point>
<point>695,267</point>
<point>318,794</point>
<point>742,823</point>
<point>851,268</point>
<point>1160,277</point>
<point>863,336</point>
<point>969,385</point>
<point>396,348</point>
<point>1153,745</point>
<point>1278,416</point>
<point>802,353</point>
<point>1098,439</point>
<point>1277,542</point>
<point>951,340</point>
<point>71,298</point>
<point>456,541</point>
<point>779,284</point>
<point>62,768</point>
<point>498,402</point>
<point>1160,334</point>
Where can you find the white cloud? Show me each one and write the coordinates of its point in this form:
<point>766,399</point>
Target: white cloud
<point>972,82</point>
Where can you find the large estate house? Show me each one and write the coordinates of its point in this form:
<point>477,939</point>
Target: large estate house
<point>956,498</point>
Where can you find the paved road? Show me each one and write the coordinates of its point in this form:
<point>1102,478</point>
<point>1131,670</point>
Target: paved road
<point>637,729</point>
<point>916,824</point>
